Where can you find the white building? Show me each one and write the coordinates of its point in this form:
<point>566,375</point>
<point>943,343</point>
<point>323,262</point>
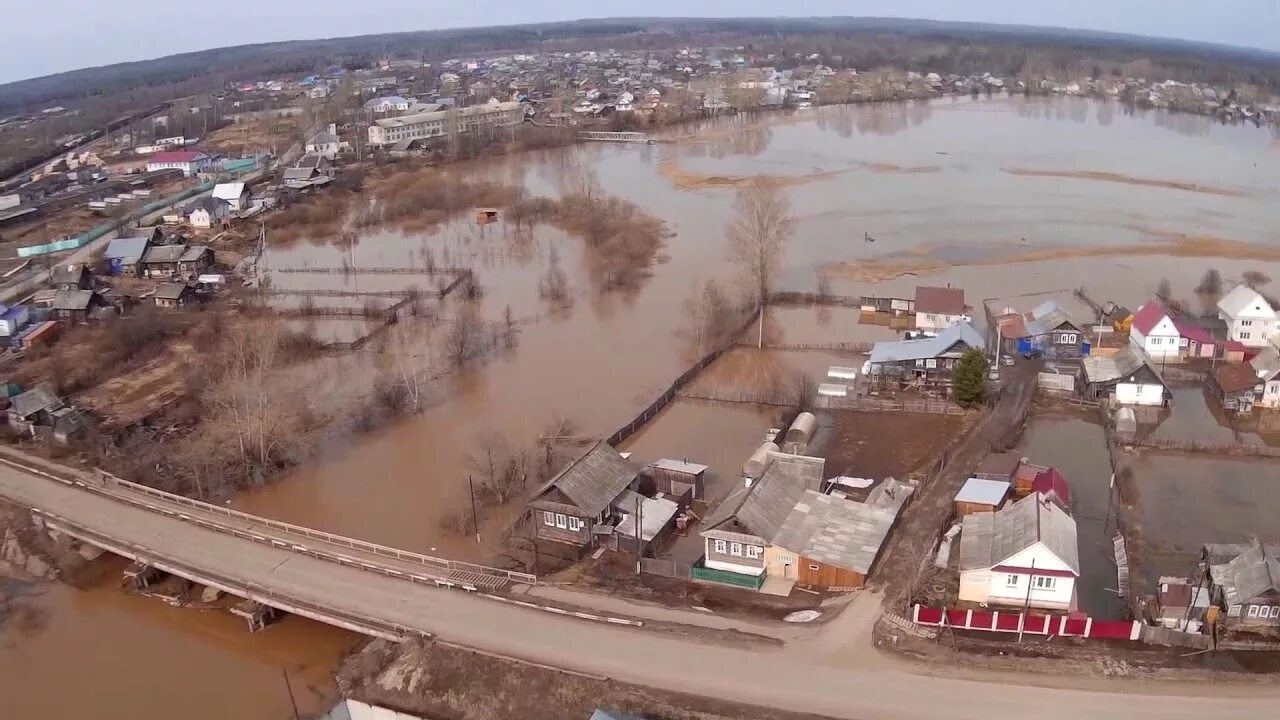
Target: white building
<point>1154,332</point>
<point>190,162</point>
<point>427,125</point>
<point>1024,555</point>
<point>1267,365</point>
<point>235,195</point>
<point>205,212</point>
<point>1250,318</point>
<point>938,308</point>
<point>325,143</point>
<point>389,103</point>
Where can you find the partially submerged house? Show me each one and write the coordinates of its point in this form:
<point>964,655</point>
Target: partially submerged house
<point>1246,583</point>
<point>1052,324</point>
<point>576,506</point>
<point>938,308</point>
<point>1024,555</point>
<point>1236,385</point>
<point>1127,377</point>
<point>927,363</point>
<point>1250,318</point>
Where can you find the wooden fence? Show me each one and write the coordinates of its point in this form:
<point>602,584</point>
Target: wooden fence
<point>861,348</point>
<point>666,568</point>
<point>1188,446</point>
<point>670,393</point>
<point>937,407</point>
<point>356,270</point>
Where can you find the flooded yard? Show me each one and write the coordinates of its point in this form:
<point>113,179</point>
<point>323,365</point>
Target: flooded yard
<point>1077,448</point>
<point>1185,501</point>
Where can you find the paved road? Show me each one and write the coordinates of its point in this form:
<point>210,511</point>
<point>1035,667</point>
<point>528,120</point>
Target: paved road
<point>833,671</point>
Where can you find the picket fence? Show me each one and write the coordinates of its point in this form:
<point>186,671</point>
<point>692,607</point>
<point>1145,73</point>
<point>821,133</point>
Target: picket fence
<point>1074,625</point>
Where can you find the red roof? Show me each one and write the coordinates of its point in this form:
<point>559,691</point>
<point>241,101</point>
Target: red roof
<point>1051,482</point>
<point>1194,333</point>
<point>1148,316</point>
<point>175,156</point>
<point>1043,572</point>
<point>940,300</point>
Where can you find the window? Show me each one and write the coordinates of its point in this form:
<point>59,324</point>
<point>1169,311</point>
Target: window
<point>1253,611</point>
<point>722,547</point>
<point>814,568</point>
<point>1045,583</point>
<point>562,521</point>
<point>1246,323</point>
<point>549,519</point>
<point>931,363</point>
<point>1244,336</point>
<point>1275,611</point>
<point>753,553</point>
<point>1011,581</point>
<point>735,549</point>
<point>919,363</point>
<point>576,524</point>
<point>1156,341</point>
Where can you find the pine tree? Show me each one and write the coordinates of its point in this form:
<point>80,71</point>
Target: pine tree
<point>971,378</point>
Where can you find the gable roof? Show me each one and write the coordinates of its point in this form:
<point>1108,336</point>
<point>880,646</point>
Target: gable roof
<point>1051,482</point>
<point>1253,572</point>
<point>208,203</point>
<point>1242,298</point>
<point>228,191</point>
<point>72,300</point>
<point>67,273</point>
<point>989,539</point>
<point>127,248</point>
<point>835,531</point>
<point>940,300</point>
<point>1119,365</point>
<point>194,253</point>
<point>164,254</point>
<point>177,156</point>
<point>1149,316</point>
<point>1267,363</point>
<point>763,506</point>
<point>899,350</point>
<point>1235,377</point>
<point>172,291</point>
<point>40,397</point>
<point>594,480</point>
<point>324,137</point>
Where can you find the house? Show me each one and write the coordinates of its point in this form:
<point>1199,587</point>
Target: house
<point>644,522</point>
<point>1051,485</point>
<point>75,305</point>
<point>311,169</point>
<point>1128,377</point>
<point>925,363</point>
<point>161,261</point>
<point>1154,332</point>
<point>678,478</point>
<point>1266,365</point>
<point>33,408</point>
<point>235,195</point>
<point>190,162</point>
<point>13,319</point>
<point>1199,341</point>
<point>324,143</point>
<point>71,276</point>
<point>172,295</point>
<point>1024,555</point>
<point>195,261</point>
<point>390,103</point>
<point>938,308</point>
<point>205,212</point>
<point>1250,318</point>
<point>1181,604</point>
<point>1052,324</point>
<point>124,254</point>
<point>741,528</point>
<point>979,495</point>
<point>1245,581</point>
<point>576,506</point>
<point>1236,385</point>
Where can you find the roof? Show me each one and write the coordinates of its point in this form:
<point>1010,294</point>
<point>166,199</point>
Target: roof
<point>194,253</point>
<point>680,466</point>
<point>1122,364</point>
<point>1235,377</point>
<point>40,397</point>
<point>417,118</point>
<point>387,100</point>
<point>899,350</point>
<point>72,300</point>
<point>164,253</point>
<point>299,173</point>
<point>1195,333</point>
<point>1241,298</point>
<point>127,248</point>
<point>228,191</point>
<point>655,514</point>
<point>594,480</point>
<point>324,137</point>
<point>1051,482</point>
<point>208,203</point>
<point>940,300</point>
<point>1250,574</point>
<point>983,492</point>
<point>67,273</point>
<point>989,539</point>
<point>1267,363</point>
<point>171,291</point>
<point>176,156</point>
<point>762,507</point>
<point>1148,316</point>
<point>1020,316</point>
<point>835,531</point>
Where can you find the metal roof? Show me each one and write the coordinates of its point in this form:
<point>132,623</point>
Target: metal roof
<point>1241,299</point>
<point>655,514</point>
<point>1253,572</point>
<point>989,539</point>
<point>680,466</point>
<point>941,300</point>
<point>835,531</point>
<point>193,253</point>
<point>127,248</point>
<point>40,397</point>
<point>228,191</point>
<point>164,254</point>
<point>593,481</point>
<point>1121,364</point>
<point>899,350</point>
<point>72,299</point>
<point>983,492</point>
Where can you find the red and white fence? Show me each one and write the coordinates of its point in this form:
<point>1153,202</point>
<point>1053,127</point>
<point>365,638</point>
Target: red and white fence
<point>1074,625</point>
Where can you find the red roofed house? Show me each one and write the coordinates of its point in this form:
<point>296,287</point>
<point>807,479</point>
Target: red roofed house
<point>1154,332</point>
<point>1023,555</point>
<point>190,162</point>
<point>1200,343</point>
<point>1053,486</point>
<point>938,308</point>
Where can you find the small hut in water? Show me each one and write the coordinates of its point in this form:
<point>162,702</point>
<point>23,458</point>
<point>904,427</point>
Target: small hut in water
<point>484,216</point>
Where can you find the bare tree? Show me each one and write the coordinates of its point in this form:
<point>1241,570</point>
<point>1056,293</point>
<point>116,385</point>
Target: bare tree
<point>465,337</point>
<point>509,327</point>
<point>710,315</point>
<point>1211,283</point>
<point>1255,279</point>
<point>759,231</point>
<point>501,466</point>
<point>408,351</point>
<point>554,284</point>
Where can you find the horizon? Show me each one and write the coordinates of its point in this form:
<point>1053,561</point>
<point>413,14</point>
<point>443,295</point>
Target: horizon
<point>27,57</point>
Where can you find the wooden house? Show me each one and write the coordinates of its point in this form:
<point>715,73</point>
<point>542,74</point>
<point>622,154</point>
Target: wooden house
<point>75,305</point>
<point>576,506</point>
<point>927,363</point>
<point>1023,556</point>
<point>161,261</point>
<point>1128,377</point>
<point>33,408</point>
<point>71,276</point>
<point>979,495</point>
<point>1246,583</point>
<point>173,295</point>
<point>678,478</point>
<point>195,261</point>
<point>1052,325</point>
<point>1236,385</point>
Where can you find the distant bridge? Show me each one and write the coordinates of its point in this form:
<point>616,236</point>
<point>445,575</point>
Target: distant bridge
<point>295,569</point>
<point>621,137</point>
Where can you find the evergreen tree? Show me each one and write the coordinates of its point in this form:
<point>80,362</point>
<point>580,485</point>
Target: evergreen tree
<point>971,378</point>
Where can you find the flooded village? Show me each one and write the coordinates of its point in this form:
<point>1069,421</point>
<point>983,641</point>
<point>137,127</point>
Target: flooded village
<point>1005,366</point>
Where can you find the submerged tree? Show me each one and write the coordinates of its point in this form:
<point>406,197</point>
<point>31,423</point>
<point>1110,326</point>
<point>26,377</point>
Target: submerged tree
<point>971,378</point>
<point>758,233</point>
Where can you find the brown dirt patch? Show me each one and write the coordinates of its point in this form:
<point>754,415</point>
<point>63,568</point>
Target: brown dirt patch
<point>688,180</point>
<point>143,392</point>
<point>1127,180</point>
<point>882,444</point>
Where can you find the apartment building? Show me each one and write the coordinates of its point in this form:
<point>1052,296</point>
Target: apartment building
<point>427,125</point>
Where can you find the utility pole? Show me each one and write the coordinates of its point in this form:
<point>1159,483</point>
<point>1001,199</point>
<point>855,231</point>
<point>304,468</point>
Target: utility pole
<point>475,520</point>
<point>1026,604</point>
<point>639,517</point>
<point>288,687</point>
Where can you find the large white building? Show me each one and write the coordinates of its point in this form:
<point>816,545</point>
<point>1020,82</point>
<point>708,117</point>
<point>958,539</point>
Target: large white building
<point>1024,555</point>
<point>427,125</point>
<point>1250,318</point>
<point>1154,332</point>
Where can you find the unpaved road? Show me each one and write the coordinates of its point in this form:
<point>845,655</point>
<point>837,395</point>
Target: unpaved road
<point>832,671</point>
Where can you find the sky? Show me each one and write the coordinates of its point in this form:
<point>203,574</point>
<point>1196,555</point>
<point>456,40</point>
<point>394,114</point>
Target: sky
<point>52,36</point>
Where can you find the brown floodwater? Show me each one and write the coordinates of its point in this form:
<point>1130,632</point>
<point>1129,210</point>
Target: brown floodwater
<point>925,180</point>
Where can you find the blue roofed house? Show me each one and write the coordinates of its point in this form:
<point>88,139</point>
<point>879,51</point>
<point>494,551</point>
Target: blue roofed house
<point>927,363</point>
<point>1054,324</point>
<point>124,254</point>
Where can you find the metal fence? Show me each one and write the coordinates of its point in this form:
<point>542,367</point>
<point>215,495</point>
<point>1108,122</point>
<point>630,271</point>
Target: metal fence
<point>1208,448</point>
<point>666,568</point>
<point>751,582</point>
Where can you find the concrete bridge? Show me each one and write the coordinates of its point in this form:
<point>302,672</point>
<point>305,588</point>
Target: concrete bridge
<point>237,553</point>
<point>622,137</point>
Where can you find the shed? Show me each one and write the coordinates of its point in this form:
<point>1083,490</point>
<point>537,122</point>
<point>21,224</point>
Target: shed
<point>801,430</point>
<point>1051,484</point>
<point>979,495</point>
<point>998,466</point>
<point>678,477</point>
<point>656,520</point>
<point>124,253</point>
<point>1234,384</point>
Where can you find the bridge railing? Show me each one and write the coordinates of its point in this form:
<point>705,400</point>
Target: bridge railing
<point>326,537</point>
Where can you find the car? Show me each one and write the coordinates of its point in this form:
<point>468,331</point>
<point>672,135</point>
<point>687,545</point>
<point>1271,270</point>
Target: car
<point>1033,354</point>
<point>1006,360</point>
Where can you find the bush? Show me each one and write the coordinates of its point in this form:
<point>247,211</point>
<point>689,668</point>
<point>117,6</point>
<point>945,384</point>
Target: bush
<point>971,378</point>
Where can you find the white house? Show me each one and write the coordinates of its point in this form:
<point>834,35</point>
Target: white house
<point>938,308</point>
<point>389,103</point>
<point>325,143</point>
<point>1154,332</point>
<point>206,211</point>
<point>1267,365</point>
<point>235,195</point>
<point>190,162</point>
<point>1023,555</point>
<point>1250,318</point>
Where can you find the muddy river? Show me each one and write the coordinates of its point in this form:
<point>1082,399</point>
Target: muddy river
<point>998,197</point>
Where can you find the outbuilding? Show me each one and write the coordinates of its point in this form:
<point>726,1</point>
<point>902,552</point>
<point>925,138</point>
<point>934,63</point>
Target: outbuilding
<point>978,495</point>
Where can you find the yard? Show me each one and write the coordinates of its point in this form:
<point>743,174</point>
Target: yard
<point>883,444</point>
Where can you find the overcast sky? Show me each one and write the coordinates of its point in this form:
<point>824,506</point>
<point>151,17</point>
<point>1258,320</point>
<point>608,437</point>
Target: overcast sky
<point>49,36</point>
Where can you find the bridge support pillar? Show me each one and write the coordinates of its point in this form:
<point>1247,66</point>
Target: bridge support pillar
<point>257,615</point>
<point>141,575</point>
